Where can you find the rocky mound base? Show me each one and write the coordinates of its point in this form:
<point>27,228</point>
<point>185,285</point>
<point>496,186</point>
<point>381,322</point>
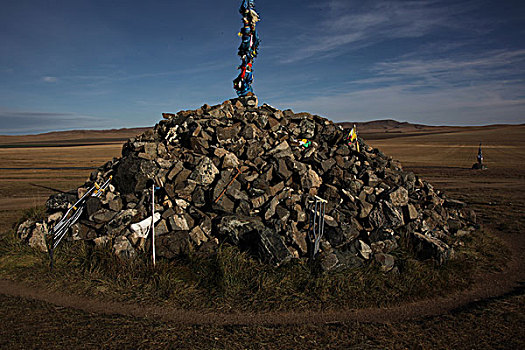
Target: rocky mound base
<point>236,173</point>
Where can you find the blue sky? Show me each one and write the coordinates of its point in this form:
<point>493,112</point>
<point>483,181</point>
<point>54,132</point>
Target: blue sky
<point>81,64</point>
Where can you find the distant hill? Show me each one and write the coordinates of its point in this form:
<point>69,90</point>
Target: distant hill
<point>372,130</point>
<point>70,138</point>
<point>386,125</point>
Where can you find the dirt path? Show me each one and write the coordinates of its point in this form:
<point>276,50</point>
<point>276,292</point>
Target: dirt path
<point>488,285</point>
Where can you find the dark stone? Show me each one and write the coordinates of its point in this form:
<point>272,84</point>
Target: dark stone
<point>173,245</point>
<point>393,215</point>
<point>327,261</point>
<point>381,234</point>
<point>177,168</point>
<point>345,233</point>
<point>426,247</point>
<point>182,176</point>
<point>376,216</point>
<point>386,261</point>
<point>133,173</point>
<point>103,216</point>
<point>240,230</point>
<point>283,170</point>
<point>243,208</point>
<point>93,205</point>
<point>328,164</point>
<point>228,133</point>
<point>282,213</point>
<point>273,124</point>
<point>385,246</point>
<point>116,204</point>
<point>225,204</point>
<point>454,204</point>
<point>199,197</point>
<point>119,221</point>
<point>371,179</point>
<point>272,248</point>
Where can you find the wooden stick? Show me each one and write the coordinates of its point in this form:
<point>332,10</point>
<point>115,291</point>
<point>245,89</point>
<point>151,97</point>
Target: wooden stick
<point>224,191</point>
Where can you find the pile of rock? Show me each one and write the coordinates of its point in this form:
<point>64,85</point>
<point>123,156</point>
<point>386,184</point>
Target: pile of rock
<point>236,173</point>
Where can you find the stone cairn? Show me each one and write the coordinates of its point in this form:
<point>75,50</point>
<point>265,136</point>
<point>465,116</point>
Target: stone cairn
<point>235,173</point>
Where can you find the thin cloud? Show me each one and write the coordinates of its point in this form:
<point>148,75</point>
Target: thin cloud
<point>119,76</point>
<point>377,22</point>
<point>458,90</point>
<point>50,79</point>
<point>489,67</point>
<point>477,105</point>
<point>17,122</point>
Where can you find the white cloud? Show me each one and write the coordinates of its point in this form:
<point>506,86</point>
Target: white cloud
<point>354,25</point>
<point>49,79</point>
<point>456,106</point>
<point>458,90</point>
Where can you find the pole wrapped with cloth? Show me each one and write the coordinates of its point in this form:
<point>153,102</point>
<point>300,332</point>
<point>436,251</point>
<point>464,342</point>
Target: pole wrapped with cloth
<point>248,49</point>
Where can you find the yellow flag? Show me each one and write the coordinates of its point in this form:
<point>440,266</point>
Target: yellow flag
<point>353,134</point>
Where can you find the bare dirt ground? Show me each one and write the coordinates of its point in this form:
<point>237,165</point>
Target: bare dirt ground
<point>490,315</point>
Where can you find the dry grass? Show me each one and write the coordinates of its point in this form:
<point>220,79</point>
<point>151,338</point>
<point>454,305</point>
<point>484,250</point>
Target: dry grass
<point>231,280</point>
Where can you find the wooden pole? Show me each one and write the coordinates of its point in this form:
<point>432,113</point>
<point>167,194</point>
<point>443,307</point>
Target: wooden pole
<point>153,221</point>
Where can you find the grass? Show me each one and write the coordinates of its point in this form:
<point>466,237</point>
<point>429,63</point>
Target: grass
<point>232,281</point>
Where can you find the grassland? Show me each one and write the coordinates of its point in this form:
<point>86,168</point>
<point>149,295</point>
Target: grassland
<point>442,156</point>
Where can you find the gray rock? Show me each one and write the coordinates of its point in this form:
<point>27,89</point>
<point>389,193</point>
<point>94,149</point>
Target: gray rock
<point>177,168</point>
<point>102,241</point>
<point>230,161</point>
<point>410,212</point>
<point>25,229</point>
<point>224,204</point>
<point>393,215</point>
<point>161,228</point>
<point>282,150</point>
<point>311,180</point>
<point>197,236</point>
<point>385,246</point>
<point>299,238</point>
<point>60,201</point>
<point>399,197</point>
<point>272,248</point>
<point>123,249</point>
<point>371,179</point>
<point>426,247</point>
<point>116,204</point>
<point>102,216</point>
<point>376,216</point>
<point>38,237</point>
<point>342,235</point>
<point>365,209</point>
<point>179,222</point>
<point>204,174</point>
<point>240,229</point>
<point>133,173</point>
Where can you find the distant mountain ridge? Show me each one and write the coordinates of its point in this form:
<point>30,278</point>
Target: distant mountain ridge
<point>375,129</point>
<point>72,137</point>
<point>386,125</point>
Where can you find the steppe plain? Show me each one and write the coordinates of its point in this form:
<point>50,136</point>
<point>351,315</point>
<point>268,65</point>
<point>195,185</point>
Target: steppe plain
<point>34,167</point>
